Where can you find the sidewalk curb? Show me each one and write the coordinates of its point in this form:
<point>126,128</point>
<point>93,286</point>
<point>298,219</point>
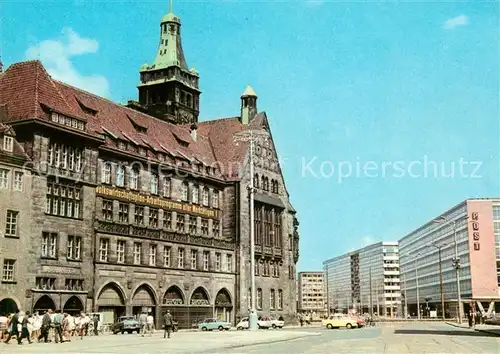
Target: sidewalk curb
<point>456,325</point>
<point>272,341</point>
<point>487,331</point>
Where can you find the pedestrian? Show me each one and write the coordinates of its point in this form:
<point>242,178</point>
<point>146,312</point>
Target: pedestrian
<point>58,322</point>
<point>168,322</point>
<point>96,325</point>
<point>45,328</point>
<point>143,320</point>
<point>25,324</point>
<point>14,330</point>
<point>150,323</point>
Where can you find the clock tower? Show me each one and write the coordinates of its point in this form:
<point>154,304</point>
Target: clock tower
<point>168,89</point>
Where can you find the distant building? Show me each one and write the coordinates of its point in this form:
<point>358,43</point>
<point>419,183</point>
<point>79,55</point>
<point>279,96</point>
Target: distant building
<point>477,225</point>
<point>311,293</point>
<point>368,276</point>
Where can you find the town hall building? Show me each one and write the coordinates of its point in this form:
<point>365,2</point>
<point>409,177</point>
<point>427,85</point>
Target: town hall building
<point>121,209</point>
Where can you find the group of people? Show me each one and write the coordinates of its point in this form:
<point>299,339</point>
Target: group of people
<point>147,324</point>
<point>35,327</point>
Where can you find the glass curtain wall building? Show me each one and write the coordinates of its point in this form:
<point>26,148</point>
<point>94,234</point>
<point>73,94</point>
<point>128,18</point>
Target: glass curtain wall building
<point>365,281</point>
<point>475,226</point>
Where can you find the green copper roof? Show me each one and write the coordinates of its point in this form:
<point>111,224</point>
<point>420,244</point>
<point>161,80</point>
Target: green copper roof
<point>249,92</point>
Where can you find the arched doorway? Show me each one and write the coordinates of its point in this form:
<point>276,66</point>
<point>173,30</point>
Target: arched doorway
<point>223,306</point>
<point>143,300</point>
<point>112,302</point>
<point>173,300</point>
<point>43,304</point>
<point>8,306</point>
<point>73,306</point>
<point>199,305</point>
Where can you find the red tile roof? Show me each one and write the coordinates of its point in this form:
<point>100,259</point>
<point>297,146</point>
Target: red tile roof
<point>26,87</point>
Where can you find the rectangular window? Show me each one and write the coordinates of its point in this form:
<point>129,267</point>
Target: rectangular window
<point>152,255</point>
<point>215,228</point>
<point>4,179</point>
<point>204,196</point>
<point>192,224</point>
<point>133,182</point>
<point>257,268</point>
<point>184,191</point>
<point>206,260</point>
<point>120,251</point>
<point>180,222</point>
<point>123,213</point>
<point>137,253</point>
<point>153,217</point>
<point>139,215</point>
<point>45,283</point>
<point>49,245</point>
<point>107,209</point>
<point>195,194</point>
<point>215,199</point>
<point>63,199</point>
<point>167,250</point>
<point>8,270</point>
<point>259,298</point>
<point>120,175</point>
<point>74,284</point>
<point>167,220</point>
<point>11,223</point>
<point>280,299</point>
<point>194,259</point>
<point>217,262</point>
<point>103,249</point>
<point>64,157</point>
<point>272,299</point>
<point>18,181</point>
<point>8,143</point>
<point>74,248</point>
<point>106,173</point>
<point>204,227</point>
<point>166,187</point>
<point>180,258</point>
<point>229,262</point>
<point>154,184</point>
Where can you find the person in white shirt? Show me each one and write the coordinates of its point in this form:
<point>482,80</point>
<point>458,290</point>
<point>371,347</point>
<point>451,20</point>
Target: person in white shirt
<point>150,323</point>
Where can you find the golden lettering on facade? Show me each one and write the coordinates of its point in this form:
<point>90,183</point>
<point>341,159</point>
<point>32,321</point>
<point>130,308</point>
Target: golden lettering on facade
<point>135,197</point>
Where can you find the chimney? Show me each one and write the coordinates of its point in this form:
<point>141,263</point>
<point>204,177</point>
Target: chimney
<point>248,105</point>
<point>194,132</point>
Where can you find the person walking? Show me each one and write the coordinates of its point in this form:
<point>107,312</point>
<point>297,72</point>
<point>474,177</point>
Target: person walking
<point>44,329</point>
<point>58,321</point>
<point>25,324</point>
<point>150,323</point>
<point>14,329</point>
<point>143,321</point>
<point>168,322</point>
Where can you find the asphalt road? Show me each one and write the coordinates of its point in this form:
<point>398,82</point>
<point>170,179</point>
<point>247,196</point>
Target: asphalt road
<point>388,338</point>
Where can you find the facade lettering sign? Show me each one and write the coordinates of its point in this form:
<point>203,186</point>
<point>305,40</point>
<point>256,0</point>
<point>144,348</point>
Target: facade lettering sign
<point>136,197</point>
<point>475,231</point>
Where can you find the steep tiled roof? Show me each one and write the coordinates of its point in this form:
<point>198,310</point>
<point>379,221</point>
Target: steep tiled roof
<point>25,88</point>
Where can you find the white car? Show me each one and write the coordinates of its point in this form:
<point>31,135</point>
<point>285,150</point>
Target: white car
<point>261,323</point>
<point>276,323</point>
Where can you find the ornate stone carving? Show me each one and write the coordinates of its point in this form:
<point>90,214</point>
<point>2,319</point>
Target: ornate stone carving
<point>173,302</point>
<point>199,302</point>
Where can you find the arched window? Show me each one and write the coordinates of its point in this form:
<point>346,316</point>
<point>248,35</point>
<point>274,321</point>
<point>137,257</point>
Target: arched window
<point>256,181</point>
<point>263,184</point>
<point>154,183</point>
<point>259,298</point>
<point>184,191</point>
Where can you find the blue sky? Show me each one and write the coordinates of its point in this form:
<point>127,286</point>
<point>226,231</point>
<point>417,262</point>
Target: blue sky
<point>346,83</point>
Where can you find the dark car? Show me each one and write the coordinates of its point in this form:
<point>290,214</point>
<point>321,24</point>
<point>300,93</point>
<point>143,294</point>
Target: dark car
<point>126,324</point>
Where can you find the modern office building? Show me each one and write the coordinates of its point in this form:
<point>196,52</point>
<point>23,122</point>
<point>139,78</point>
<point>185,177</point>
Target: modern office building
<point>472,228</point>
<point>311,293</point>
<point>123,209</point>
<point>364,279</point>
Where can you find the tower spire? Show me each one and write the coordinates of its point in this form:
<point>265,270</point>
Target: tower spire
<point>171,7</point>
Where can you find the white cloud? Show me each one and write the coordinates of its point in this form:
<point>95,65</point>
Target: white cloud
<point>454,22</point>
<point>367,240</point>
<point>56,54</point>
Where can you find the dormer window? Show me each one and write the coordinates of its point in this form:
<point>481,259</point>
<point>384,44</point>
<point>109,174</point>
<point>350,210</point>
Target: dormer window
<point>8,143</point>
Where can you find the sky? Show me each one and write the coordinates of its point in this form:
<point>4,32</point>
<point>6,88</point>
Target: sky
<point>384,114</point>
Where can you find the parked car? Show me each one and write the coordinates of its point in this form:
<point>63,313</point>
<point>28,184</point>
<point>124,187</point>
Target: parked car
<point>340,321</point>
<point>275,323</point>
<point>262,322</point>
<point>210,324</point>
<point>126,324</point>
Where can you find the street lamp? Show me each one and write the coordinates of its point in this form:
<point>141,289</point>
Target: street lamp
<point>250,136</point>
<point>440,276</point>
<point>456,262</point>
